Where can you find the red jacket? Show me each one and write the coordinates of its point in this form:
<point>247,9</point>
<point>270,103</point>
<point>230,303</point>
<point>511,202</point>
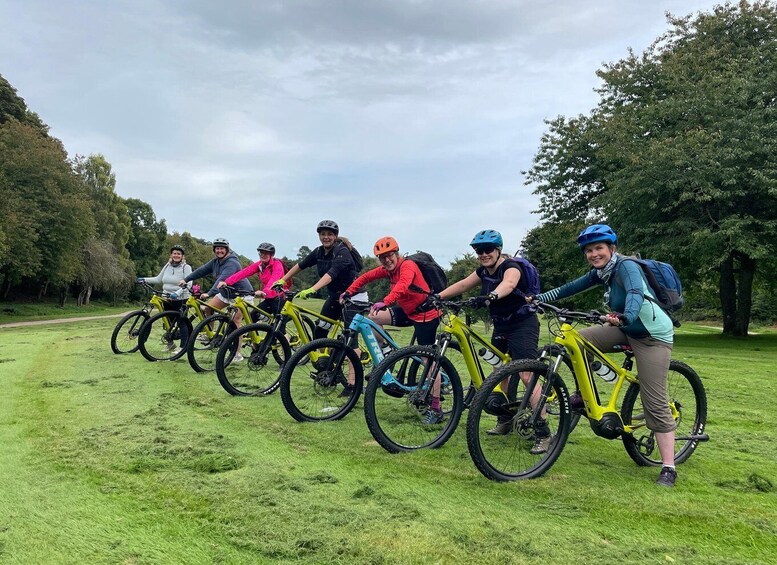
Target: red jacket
<point>405,274</point>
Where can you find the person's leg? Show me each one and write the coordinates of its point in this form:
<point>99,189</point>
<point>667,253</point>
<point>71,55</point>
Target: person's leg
<point>183,330</point>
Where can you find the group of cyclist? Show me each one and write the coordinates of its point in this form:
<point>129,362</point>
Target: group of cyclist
<point>635,319</point>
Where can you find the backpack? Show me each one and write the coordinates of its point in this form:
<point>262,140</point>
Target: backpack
<point>664,283</point>
<point>286,268</point>
<point>433,274</point>
<point>529,275</point>
<point>357,258</point>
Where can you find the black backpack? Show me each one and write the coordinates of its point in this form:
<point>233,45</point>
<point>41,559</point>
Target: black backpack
<point>433,274</point>
<point>357,259</point>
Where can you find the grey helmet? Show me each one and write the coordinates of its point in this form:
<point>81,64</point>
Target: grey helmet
<point>266,247</point>
<point>177,247</point>
<point>220,242</point>
<point>328,225</point>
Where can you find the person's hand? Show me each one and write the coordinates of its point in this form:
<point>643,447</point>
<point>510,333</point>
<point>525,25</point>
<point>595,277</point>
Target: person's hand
<point>528,298</point>
<point>613,319</point>
<point>430,303</point>
<point>260,294</point>
<point>221,284</point>
<point>204,296</point>
<point>140,280</point>
<point>304,294</point>
<point>377,307</point>
<point>344,296</point>
<point>279,284</point>
<point>182,283</point>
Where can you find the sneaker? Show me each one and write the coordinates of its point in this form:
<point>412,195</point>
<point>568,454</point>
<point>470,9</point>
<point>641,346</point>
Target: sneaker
<point>171,346</point>
<point>176,352</point>
<point>501,429</point>
<point>433,417</point>
<point>667,477</point>
<point>203,339</point>
<point>347,391</point>
<point>237,358</point>
<point>541,445</point>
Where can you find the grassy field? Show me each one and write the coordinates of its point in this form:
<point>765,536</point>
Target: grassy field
<point>111,459</point>
<point>24,312</point>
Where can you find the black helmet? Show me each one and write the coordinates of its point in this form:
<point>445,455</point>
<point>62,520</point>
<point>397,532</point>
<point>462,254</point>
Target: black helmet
<point>328,225</point>
<point>266,247</point>
<point>220,242</point>
<point>177,247</point>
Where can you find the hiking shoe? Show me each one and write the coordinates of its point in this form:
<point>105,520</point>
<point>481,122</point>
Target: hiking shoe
<point>237,358</point>
<point>203,339</point>
<point>501,429</point>
<point>667,477</point>
<point>347,391</point>
<point>176,352</point>
<point>433,417</point>
<point>541,445</point>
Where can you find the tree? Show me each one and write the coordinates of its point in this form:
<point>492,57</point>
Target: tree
<point>146,238</point>
<point>680,155</point>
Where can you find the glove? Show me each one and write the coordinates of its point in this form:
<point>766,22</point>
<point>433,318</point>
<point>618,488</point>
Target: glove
<point>429,304</point>
<point>304,294</point>
<point>280,283</point>
<point>140,280</point>
<point>378,306</point>
<point>483,300</point>
<point>345,296</point>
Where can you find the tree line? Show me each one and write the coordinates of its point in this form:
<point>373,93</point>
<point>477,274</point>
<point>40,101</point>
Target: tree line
<point>679,155</point>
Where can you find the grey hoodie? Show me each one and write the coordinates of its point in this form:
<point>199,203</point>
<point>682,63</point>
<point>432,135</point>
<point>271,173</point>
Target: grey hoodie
<point>169,277</point>
<point>220,270</point>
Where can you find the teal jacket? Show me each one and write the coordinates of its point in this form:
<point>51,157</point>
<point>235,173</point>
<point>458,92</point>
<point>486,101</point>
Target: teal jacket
<point>627,291</point>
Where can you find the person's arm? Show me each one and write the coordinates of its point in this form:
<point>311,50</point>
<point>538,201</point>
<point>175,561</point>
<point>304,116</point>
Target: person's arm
<point>157,279</point>
<point>252,269</point>
<point>629,275</point>
<point>512,276</point>
<point>407,274</point>
<point>199,272</point>
<point>580,284</point>
<point>366,278</point>
<point>461,286</point>
<point>268,279</point>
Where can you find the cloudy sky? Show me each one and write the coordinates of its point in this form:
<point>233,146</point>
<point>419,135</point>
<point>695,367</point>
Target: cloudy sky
<point>255,119</point>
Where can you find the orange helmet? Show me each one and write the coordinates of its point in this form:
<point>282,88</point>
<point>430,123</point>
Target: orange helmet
<point>385,245</point>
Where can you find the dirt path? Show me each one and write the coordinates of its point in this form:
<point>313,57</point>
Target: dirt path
<point>59,321</point>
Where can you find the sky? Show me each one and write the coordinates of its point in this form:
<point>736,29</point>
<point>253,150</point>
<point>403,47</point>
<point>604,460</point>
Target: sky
<point>255,119</point>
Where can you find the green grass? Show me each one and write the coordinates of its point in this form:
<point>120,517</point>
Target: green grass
<point>26,312</point>
<point>111,459</point>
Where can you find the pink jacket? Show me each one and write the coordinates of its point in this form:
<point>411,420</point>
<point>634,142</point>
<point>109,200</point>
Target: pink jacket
<point>268,274</point>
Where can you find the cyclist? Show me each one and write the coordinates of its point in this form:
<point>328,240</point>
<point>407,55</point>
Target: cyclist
<point>402,273</point>
<point>336,270</point>
<point>174,270</point>
<point>270,270</point>
<point>516,326</point>
<point>644,326</point>
<point>223,264</point>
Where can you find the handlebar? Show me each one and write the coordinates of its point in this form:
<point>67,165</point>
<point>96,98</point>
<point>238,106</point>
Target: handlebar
<point>594,316</point>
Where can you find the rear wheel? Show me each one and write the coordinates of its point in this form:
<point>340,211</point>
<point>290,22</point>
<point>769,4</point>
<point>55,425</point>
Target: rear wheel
<point>205,341</point>
<point>164,335</point>
<point>264,353</point>
<point>397,402</point>
<point>505,440</point>
<point>688,403</point>
<point>319,390</point>
<point>124,338</point>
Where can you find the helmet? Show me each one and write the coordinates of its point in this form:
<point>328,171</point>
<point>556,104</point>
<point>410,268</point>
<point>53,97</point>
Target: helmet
<point>328,225</point>
<point>177,247</point>
<point>267,248</point>
<point>487,237</point>
<point>220,242</point>
<point>385,245</point>
<point>595,233</point>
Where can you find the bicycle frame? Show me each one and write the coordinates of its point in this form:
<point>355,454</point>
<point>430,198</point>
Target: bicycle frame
<point>368,330</point>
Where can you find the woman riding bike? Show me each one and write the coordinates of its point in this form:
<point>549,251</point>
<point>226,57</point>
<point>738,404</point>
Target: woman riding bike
<point>643,325</point>
<point>516,327</point>
<point>172,272</point>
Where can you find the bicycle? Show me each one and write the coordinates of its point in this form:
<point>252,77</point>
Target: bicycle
<point>509,457</point>
<point>320,391</point>
<point>259,376</point>
<point>124,338</point>
<point>397,396</point>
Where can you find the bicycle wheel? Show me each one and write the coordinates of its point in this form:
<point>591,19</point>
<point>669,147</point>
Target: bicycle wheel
<point>205,341</point>
<point>503,442</point>
<point>124,338</point>
<point>264,353</point>
<point>319,391</point>
<point>688,403</point>
<point>567,374</point>
<point>398,396</point>
<point>161,336</point>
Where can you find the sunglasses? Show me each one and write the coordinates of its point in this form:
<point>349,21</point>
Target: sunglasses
<point>386,256</point>
<point>484,250</point>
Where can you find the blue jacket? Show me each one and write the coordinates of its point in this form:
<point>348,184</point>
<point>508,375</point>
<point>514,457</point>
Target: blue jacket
<point>220,269</point>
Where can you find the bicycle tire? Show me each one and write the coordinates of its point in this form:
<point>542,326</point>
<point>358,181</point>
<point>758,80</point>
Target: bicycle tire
<point>397,421</point>
<point>124,338</point>
<point>259,372</point>
<point>202,355</point>
<point>683,383</point>
<point>159,335</point>
<point>316,391</point>
<point>508,457</point>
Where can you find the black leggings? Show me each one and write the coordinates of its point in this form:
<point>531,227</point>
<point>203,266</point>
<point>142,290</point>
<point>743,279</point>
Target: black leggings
<point>331,309</point>
<point>175,306</point>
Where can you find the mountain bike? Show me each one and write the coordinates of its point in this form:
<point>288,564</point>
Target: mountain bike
<point>320,390</point>
<point>512,456</point>
<point>267,347</point>
<point>124,338</point>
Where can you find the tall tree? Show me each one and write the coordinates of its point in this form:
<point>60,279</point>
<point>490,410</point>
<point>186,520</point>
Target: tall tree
<point>146,238</point>
<point>680,154</point>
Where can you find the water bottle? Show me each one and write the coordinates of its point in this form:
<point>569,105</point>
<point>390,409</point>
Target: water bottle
<point>386,349</point>
<point>607,374</point>
<point>323,324</point>
<point>490,357</point>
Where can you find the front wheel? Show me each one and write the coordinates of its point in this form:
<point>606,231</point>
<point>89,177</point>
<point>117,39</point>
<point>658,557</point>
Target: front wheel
<point>124,338</point>
<point>205,341</point>
<point>263,354</point>
<point>324,389</point>
<point>164,335</point>
<point>398,400</point>
<point>506,440</point>
<point>688,403</point>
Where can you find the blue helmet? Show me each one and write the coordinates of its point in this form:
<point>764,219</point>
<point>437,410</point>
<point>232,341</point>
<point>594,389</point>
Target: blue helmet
<point>487,237</point>
<point>596,233</point>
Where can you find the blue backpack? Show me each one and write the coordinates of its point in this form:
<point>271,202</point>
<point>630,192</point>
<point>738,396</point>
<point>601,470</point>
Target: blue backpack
<point>530,277</point>
<point>664,283</point>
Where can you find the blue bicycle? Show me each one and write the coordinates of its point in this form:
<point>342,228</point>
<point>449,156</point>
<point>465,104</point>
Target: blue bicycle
<point>329,387</point>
